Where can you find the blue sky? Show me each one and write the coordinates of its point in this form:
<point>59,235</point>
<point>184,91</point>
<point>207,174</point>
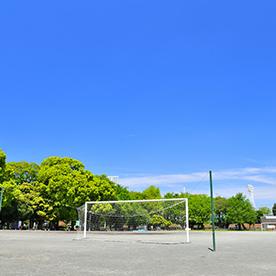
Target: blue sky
<point>156,92</point>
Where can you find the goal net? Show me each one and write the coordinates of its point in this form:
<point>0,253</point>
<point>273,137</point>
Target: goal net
<point>150,221</point>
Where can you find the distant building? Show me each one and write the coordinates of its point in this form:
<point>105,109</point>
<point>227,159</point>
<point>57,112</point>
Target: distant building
<point>268,222</point>
<point>114,179</point>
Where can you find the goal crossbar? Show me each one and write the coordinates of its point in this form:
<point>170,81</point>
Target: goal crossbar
<point>144,200</point>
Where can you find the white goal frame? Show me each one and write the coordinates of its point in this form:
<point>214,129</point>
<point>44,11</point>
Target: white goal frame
<point>145,200</point>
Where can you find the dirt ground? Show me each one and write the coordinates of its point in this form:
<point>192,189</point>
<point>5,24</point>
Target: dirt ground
<point>60,253</point>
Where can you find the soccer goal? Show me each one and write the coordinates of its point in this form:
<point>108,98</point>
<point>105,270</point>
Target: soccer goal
<point>152,221</point>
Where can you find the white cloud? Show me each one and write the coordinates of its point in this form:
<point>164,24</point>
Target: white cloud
<point>227,183</point>
<point>262,175</point>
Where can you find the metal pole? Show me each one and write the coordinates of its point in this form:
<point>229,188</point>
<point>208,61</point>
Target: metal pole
<point>187,221</point>
<point>1,197</point>
<point>85,220</point>
<point>213,214</point>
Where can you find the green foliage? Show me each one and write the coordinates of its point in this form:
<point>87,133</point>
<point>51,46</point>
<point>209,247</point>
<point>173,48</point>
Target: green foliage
<point>160,221</point>
<point>239,210</point>
<point>274,209</point>
<point>259,214</point>
<point>176,215</point>
<point>2,166</point>
<point>220,208</point>
<point>199,210</point>
<point>28,201</point>
<point>52,190</point>
<point>265,210</point>
<point>9,193</point>
<point>122,193</point>
<point>22,172</point>
<point>19,185</point>
<point>103,209</point>
<point>64,182</point>
<point>136,214</point>
<point>151,192</point>
<point>136,195</point>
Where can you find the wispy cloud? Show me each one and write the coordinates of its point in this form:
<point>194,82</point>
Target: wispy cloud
<point>162,179</point>
<point>229,182</point>
<point>263,175</point>
<point>249,159</point>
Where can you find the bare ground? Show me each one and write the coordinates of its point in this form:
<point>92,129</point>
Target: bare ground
<point>59,253</point>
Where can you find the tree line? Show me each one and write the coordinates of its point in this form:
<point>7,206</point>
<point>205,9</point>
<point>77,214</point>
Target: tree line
<point>53,190</point>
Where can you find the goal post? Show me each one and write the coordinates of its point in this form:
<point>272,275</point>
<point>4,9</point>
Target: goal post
<point>150,216</point>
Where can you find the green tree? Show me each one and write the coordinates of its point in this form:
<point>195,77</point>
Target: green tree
<point>28,202</point>
<point>160,221</point>
<point>274,209</point>
<point>220,208</point>
<point>151,192</point>
<point>8,210</point>
<point>64,184</point>
<point>20,187</point>
<point>199,210</point>
<point>136,195</point>
<point>239,211</point>
<point>265,210</point>
<point>2,166</point>
<point>122,193</point>
<point>22,172</point>
<point>259,214</point>
<point>177,214</point>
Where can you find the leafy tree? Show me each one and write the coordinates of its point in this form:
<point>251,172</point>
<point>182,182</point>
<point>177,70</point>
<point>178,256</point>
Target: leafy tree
<point>177,214</point>
<point>199,210</point>
<point>28,201</point>
<point>20,182</point>
<point>122,193</point>
<point>274,209</point>
<point>136,195</point>
<point>99,212</point>
<point>64,184</point>
<point>10,193</point>
<point>239,210</point>
<point>151,192</point>
<point>220,208</point>
<point>2,166</point>
<point>259,214</point>
<point>265,210</point>
<point>160,221</point>
<point>22,172</point>
<point>136,214</point>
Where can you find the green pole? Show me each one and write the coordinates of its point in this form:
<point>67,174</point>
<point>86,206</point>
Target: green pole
<point>1,197</point>
<point>213,214</point>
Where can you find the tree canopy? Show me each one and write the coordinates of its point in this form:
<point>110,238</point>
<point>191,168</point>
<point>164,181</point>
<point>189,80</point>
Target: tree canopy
<point>239,210</point>
<point>2,166</point>
<point>274,209</point>
<point>64,183</point>
<point>54,189</point>
<point>265,210</point>
<point>22,172</point>
<point>220,208</point>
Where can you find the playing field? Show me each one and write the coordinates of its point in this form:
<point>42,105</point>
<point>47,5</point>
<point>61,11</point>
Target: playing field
<point>59,253</point>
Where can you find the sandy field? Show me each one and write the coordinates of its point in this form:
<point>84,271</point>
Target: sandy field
<point>61,253</point>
